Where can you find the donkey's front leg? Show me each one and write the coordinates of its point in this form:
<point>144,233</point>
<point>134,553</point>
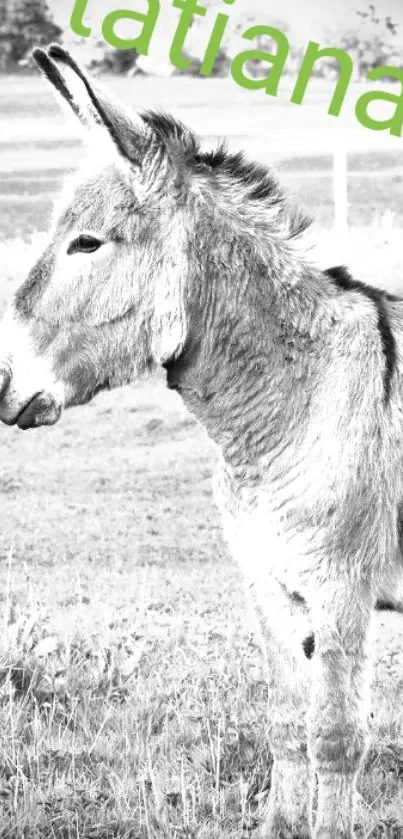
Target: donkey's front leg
<point>285,625</point>
<point>289,810</point>
<point>337,722</point>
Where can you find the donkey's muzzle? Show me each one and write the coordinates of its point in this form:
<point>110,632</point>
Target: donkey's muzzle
<point>41,410</point>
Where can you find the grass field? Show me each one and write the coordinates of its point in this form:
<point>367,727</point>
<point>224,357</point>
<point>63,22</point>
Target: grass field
<point>133,697</point>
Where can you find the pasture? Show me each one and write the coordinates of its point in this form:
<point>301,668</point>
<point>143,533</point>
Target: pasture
<point>132,692</point>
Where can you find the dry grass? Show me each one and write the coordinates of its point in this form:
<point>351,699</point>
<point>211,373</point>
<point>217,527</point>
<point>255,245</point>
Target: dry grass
<point>149,721</point>
<point>138,730</point>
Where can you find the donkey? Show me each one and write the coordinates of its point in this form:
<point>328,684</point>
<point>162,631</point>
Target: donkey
<point>162,254</point>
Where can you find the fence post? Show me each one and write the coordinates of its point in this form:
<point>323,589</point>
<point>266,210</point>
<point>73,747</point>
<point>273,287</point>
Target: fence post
<point>340,187</point>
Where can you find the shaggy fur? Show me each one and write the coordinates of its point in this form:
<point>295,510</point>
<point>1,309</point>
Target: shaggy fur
<point>161,254</point>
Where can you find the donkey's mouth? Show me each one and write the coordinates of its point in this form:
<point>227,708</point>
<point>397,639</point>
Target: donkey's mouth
<point>42,409</point>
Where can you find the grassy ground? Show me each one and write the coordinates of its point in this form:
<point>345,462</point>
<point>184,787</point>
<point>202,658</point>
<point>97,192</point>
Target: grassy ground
<point>132,691</point>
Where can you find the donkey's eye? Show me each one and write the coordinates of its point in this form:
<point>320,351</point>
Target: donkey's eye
<point>84,244</point>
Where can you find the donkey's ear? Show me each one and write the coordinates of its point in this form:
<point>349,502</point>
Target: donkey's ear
<point>91,104</point>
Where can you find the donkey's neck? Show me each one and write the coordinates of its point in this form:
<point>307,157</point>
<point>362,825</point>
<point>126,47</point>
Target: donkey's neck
<point>247,368</point>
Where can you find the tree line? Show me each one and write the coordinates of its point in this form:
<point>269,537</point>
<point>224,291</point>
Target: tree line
<point>374,40</point>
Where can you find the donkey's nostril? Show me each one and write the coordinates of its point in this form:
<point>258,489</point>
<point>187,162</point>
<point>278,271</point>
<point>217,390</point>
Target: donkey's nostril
<point>4,383</point>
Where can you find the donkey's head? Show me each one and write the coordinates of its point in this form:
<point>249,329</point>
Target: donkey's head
<point>153,242</point>
<point>106,300</point>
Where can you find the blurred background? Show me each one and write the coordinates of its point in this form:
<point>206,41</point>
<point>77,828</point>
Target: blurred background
<point>132,687</point>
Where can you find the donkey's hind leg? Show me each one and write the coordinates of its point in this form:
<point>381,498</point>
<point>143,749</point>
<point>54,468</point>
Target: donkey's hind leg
<point>286,632</point>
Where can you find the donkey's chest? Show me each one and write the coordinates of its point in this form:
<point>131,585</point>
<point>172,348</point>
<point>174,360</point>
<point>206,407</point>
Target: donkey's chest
<point>300,541</point>
<point>258,539</point>
<point>263,550</point>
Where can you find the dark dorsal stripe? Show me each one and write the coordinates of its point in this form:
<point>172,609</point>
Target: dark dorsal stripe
<point>344,280</point>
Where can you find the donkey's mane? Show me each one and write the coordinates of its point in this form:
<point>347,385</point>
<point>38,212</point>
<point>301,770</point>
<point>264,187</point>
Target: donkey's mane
<point>172,132</point>
<point>256,182</point>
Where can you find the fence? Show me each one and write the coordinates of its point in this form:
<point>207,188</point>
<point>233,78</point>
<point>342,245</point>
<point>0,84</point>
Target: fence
<point>340,189</point>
